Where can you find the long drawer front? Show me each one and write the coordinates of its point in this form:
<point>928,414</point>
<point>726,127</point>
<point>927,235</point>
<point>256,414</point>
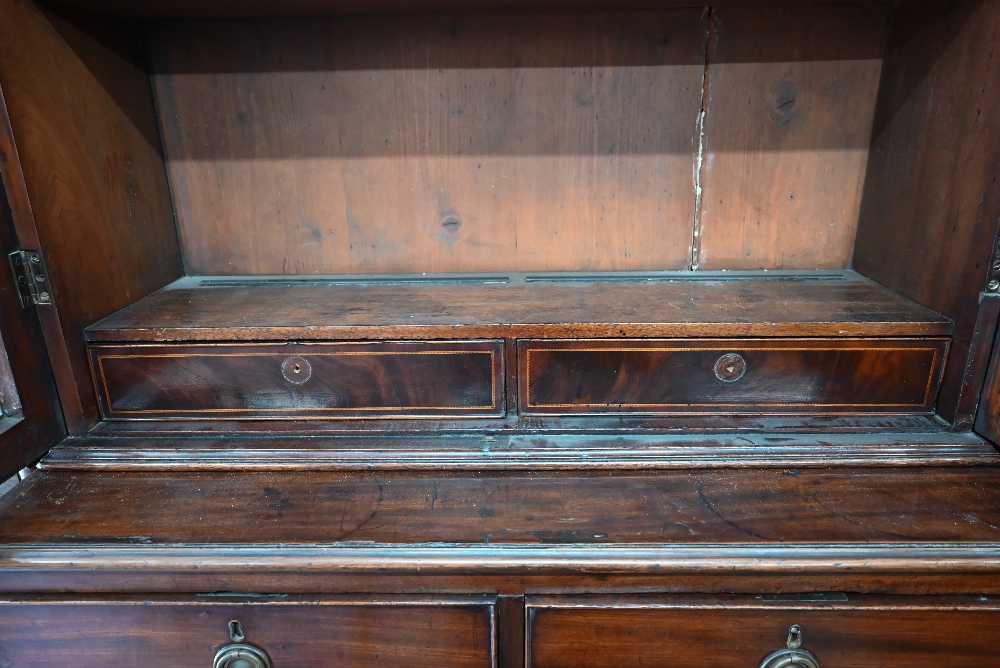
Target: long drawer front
<point>299,381</point>
<point>772,376</point>
<point>290,634</point>
<point>751,632</point>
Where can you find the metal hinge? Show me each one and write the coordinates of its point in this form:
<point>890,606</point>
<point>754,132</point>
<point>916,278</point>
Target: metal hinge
<point>31,278</point>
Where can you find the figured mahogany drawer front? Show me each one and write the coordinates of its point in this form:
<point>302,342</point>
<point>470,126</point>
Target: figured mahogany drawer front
<point>740,632</point>
<point>725,376</point>
<point>288,635</point>
<point>301,381</point>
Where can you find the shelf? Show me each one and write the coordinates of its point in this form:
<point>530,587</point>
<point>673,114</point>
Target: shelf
<point>636,304</point>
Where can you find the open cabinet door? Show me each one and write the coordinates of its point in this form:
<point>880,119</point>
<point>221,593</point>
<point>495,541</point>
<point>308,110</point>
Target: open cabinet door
<point>988,415</point>
<point>31,421</point>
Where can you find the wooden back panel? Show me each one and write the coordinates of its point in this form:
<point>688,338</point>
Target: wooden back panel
<point>518,142</point>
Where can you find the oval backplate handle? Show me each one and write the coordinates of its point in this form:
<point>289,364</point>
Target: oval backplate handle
<point>241,655</point>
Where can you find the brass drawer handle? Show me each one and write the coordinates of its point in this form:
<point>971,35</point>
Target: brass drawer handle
<point>240,654</point>
<point>730,367</point>
<point>792,656</point>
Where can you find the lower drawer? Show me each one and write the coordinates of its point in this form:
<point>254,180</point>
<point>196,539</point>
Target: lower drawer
<point>299,381</point>
<point>748,376</point>
<point>745,632</point>
<point>290,633</point>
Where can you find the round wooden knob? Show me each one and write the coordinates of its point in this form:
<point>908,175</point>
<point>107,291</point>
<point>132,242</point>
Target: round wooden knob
<point>730,367</point>
<point>241,655</point>
<point>296,370</point>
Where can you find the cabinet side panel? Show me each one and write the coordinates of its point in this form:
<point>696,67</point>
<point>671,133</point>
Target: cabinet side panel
<point>931,201</point>
<point>82,115</point>
<point>508,142</point>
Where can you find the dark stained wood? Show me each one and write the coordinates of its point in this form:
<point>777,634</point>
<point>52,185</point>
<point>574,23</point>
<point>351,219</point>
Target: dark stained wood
<point>765,376</point>
<point>767,507</point>
<point>977,361</point>
<point>31,418</point>
<point>319,632</point>
<point>930,209</point>
<point>82,116</point>
<point>25,237</point>
<point>789,104</point>
<point>225,8</point>
<point>303,381</point>
<point>510,632</point>
<point>683,632</point>
<point>494,142</point>
<point>532,451</point>
<point>988,416</point>
<point>683,304</point>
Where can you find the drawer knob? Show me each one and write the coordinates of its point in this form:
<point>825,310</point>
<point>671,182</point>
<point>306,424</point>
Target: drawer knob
<point>296,370</point>
<point>793,656</point>
<point>730,367</point>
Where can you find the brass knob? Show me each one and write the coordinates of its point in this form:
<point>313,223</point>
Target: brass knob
<point>793,656</point>
<point>241,655</point>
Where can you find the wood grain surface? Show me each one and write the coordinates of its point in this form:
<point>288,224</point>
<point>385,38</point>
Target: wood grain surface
<point>406,632</point>
<point>707,507</point>
<point>318,381</point>
<point>469,142</point>
<point>537,451</point>
<point>82,115</point>
<point>834,304</point>
<point>683,632</point>
<point>789,104</point>
<point>764,376</point>
<point>928,220</point>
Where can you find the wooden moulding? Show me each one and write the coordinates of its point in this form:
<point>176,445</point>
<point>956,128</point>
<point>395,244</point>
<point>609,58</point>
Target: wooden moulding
<point>629,304</point>
<point>530,451</point>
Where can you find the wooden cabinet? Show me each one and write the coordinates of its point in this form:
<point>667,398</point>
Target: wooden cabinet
<point>432,332</point>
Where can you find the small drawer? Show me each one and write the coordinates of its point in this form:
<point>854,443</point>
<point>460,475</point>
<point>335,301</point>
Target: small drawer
<point>300,381</point>
<point>751,632</point>
<point>285,633</point>
<point>759,376</point>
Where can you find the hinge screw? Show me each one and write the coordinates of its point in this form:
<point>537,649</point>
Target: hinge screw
<point>993,285</point>
<point>35,259</point>
<point>996,264</point>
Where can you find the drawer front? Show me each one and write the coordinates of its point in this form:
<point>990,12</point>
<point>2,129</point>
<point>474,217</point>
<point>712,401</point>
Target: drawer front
<point>724,376</point>
<point>291,635</point>
<point>742,633</point>
<point>300,381</point>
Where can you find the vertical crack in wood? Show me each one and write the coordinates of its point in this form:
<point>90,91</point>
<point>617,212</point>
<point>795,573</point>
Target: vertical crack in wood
<point>699,160</point>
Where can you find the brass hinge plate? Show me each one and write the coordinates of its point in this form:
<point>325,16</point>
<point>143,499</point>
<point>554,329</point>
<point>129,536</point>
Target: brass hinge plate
<point>31,278</point>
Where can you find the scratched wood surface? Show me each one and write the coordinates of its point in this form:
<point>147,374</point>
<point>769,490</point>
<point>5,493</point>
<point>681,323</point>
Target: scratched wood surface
<point>707,507</point>
<point>790,99</point>
<point>432,143</point>
<point>824,304</point>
